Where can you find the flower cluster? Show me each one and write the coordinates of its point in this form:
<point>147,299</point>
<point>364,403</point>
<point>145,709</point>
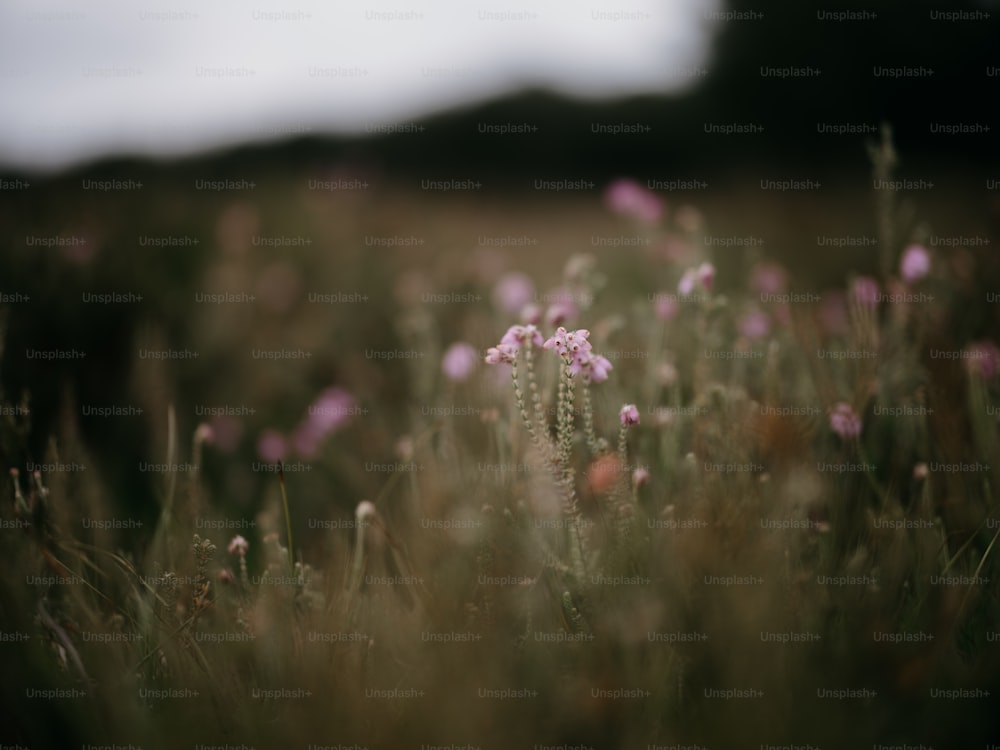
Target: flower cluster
<point>703,276</point>
<point>574,347</point>
<point>844,421</point>
<point>511,343</point>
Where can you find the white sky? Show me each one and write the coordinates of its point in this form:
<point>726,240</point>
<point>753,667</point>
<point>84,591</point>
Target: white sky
<point>80,80</point>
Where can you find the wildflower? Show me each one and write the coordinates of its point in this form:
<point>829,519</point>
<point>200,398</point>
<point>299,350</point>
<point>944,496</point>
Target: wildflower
<point>531,313</point>
<point>563,308</point>
<point>703,275</point>
<point>865,291</point>
<point>272,446</point>
<point>513,291</point>
<point>238,546</point>
<point>755,324</point>
<point>640,478</point>
<point>331,409</point>
<point>666,307</point>
<point>628,198</point>
<point>914,264</point>
<point>666,374</point>
<point>504,353</point>
<point>592,365</point>
<point>459,361</point>
<point>920,471</point>
<point>629,415</point>
<point>518,335</point>
<point>844,421</point>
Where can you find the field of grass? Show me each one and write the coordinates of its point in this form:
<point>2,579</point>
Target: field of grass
<point>285,500</point>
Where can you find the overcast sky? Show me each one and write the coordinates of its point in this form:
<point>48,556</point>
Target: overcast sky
<point>83,80</point>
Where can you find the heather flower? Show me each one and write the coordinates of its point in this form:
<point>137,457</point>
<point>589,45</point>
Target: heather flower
<point>914,264</point>
<point>628,198</point>
<point>703,276</point>
<point>513,291</point>
<point>640,478</point>
<point>518,335</point>
<point>755,324</point>
<point>865,291</point>
<point>364,511</point>
<point>272,446</point>
<point>531,313</point>
<point>502,354</point>
<point>238,546</point>
<point>563,308</point>
<point>844,421</point>
<point>459,361</point>
<point>331,409</point>
<point>666,307</point>
<point>629,415</point>
<point>594,366</point>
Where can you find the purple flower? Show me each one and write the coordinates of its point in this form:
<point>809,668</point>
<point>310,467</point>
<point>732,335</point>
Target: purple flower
<point>502,354</point>
<point>914,264</point>
<point>628,198</point>
<point>331,410</point>
<point>703,276</point>
<point>755,324</point>
<point>459,361</point>
<point>640,477</point>
<point>629,415</point>
<point>844,421</point>
<point>238,546</point>
<point>865,291</point>
<point>563,308</point>
<point>518,335</point>
<point>513,291</point>
<point>594,366</point>
<point>272,446</point>
<point>666,307</point>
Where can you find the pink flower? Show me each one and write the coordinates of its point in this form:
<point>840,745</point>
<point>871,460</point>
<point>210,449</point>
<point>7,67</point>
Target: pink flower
<point>629,415</point>
<point>627,197</point>
<point>238,546</point>
<point>914,264</point>
<point>594,366</point>
<point>865,291</point>
<point>272,446</point>
<point>459,361</point>
<point>531,313</point>
<point>666,307</point>
<point>754,325</point>
<point>844,421</point>
<point>703,276</point>
<point>518,335</point>
<point>569,343</point>
<point>332,409</point>
<point>982,359</point>
<point>769,278</point>
<point>513,291</point>
<point>563,308</point>
<point>640,478</point>
<point>706,276</point>
<point>502,354</point>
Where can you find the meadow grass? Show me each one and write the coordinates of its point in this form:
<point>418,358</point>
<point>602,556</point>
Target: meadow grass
<point>772,522</point>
